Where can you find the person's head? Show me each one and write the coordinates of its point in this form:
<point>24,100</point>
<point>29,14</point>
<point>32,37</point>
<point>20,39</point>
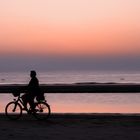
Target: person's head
<point>33,73</point>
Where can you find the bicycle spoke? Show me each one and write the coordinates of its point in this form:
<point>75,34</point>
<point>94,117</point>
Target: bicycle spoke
<point>43,111</point>
<point>13,110</point>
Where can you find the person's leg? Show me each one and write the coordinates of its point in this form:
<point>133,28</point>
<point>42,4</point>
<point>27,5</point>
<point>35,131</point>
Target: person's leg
<point>25,100</point>
<point>31,103</point>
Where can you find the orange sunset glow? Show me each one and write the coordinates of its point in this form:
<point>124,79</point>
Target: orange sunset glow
<point>70,27</point>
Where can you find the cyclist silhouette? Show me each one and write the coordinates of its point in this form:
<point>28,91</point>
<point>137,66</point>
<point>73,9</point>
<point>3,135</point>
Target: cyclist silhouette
<point>32,91</point>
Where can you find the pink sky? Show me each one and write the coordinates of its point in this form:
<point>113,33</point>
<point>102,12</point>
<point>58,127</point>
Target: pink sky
<point>97,27</point>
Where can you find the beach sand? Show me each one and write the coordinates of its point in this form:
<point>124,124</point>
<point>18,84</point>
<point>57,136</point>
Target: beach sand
<point>72,127</point>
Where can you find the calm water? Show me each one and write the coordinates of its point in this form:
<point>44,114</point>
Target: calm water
<point>111,102</point>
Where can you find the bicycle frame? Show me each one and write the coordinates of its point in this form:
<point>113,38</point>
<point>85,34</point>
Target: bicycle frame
<point>19,100</point>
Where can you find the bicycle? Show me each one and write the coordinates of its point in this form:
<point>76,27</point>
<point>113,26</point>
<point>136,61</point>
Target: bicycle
<point>14,109</point>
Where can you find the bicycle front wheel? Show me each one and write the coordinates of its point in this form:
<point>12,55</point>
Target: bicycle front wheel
<point>43,111</point>
<point>13,110</point>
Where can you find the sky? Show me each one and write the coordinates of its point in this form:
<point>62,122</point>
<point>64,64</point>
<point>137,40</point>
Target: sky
<point>96,28</point>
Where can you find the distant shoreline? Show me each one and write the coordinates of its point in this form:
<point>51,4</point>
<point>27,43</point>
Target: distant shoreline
<point>76,88</point>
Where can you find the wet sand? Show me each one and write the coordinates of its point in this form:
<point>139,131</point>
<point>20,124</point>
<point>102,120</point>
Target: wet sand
<point>72,127</point>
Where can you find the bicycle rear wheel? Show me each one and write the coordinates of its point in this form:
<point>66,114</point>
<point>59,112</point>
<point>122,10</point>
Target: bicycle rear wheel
<point>43,111</point>
<point>13,110</point>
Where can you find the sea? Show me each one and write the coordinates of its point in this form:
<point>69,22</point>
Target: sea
<point>84,102</point>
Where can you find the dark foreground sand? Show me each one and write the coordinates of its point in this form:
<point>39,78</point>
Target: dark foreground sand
<point>72,127</point>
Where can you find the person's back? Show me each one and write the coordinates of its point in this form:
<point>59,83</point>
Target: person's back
<point>33,86</point>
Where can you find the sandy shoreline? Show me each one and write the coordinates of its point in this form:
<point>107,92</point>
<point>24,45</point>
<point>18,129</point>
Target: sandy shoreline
<point>89,87</point>
<point>72,126</point>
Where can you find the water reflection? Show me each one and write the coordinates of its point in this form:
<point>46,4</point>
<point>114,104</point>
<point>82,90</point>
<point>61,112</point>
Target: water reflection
<point>88,103</point>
